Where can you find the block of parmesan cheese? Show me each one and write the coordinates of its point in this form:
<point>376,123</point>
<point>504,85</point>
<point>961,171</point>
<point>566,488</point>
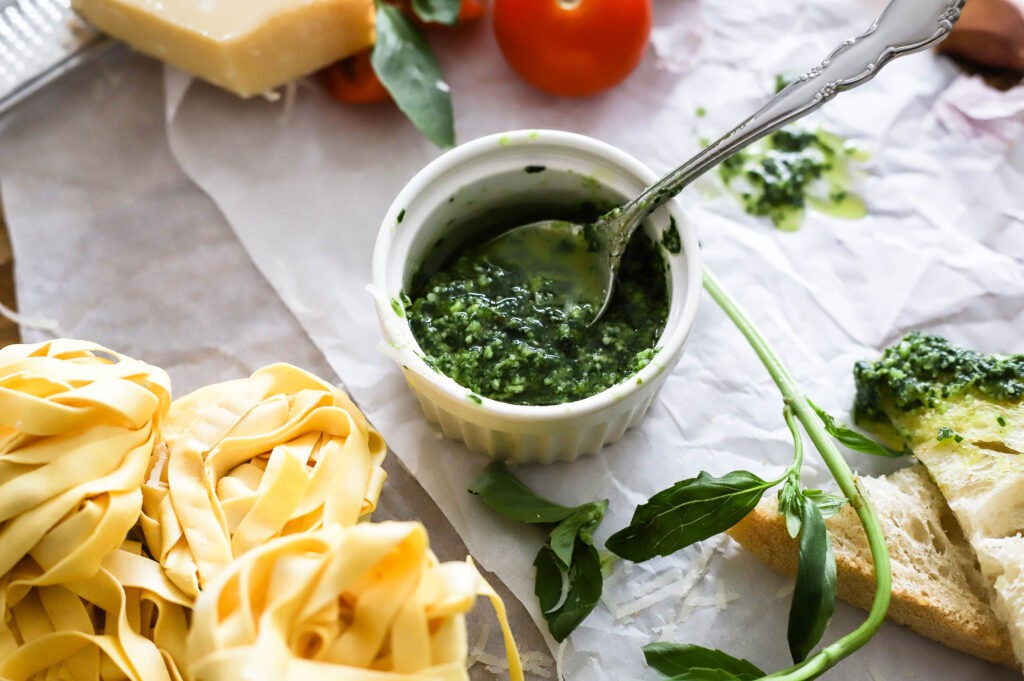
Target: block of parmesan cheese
<point>245,46</point>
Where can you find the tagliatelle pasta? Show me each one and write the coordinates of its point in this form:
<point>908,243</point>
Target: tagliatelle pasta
<point>125,621</point>
<point>249,495</point>
<point>279,453</point>
<point>78,424</point>
<point>364,603</point>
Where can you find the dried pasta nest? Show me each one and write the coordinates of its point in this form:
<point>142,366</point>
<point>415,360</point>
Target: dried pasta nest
<point>279,453</point>
<point>78,424</point>
<point>369,602</point>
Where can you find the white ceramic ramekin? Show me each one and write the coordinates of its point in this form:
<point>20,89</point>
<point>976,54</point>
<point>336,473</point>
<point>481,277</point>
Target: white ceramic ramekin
<point>489,180</point>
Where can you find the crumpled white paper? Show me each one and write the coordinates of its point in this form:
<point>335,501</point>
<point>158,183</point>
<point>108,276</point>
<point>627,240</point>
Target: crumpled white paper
<point>305,187</point>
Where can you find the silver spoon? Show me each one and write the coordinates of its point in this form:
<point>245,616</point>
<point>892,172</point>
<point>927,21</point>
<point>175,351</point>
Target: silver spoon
<point>589,255</point>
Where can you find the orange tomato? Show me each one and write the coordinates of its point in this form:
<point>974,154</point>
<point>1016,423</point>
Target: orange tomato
<point>572,47</point>
<point>353,80</point>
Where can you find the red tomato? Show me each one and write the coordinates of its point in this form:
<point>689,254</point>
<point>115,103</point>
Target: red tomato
<point>572,47</point>
<point>353,80</point>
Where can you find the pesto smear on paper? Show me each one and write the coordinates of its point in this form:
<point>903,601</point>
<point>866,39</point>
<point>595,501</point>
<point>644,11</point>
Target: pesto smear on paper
<point>793,168</point>
<point>509,335</point>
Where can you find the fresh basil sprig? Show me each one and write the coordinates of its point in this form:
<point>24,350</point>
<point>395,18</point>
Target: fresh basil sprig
<point>687,512</point>
<point>858,442</point>
<point>569,577</point>
<point>805,512</point>
<point>701,507</point>
<point>407,68</point>
<point>687,662</point>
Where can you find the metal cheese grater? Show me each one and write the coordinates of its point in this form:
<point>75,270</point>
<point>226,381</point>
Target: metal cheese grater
<point>39,41</point>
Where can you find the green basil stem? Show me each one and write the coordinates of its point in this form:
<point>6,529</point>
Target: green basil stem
<point>795,399</point>
<point>787,413</point>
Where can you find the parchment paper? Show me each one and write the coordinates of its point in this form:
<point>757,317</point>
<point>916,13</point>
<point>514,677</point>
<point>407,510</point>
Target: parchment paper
<point>304,183</point>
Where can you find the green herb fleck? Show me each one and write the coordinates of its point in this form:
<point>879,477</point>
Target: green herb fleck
<point>474,398</point>
<point>397,308</point>
<point>1001,421</point>
<point>784,79</point>
<point>670,237</point>
<point>945,433</point>
<point>701,112</point>
<point>535,169</point>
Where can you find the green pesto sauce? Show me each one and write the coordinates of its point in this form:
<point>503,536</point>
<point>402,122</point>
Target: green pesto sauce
<point>922,370</point>
<point>509,335</point>
<point>670,238</point>
<point>791,169</point>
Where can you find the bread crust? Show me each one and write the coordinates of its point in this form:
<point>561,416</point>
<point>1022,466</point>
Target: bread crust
<point>974,630</point>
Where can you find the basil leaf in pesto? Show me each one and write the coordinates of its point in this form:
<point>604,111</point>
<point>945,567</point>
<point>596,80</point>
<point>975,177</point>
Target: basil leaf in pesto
<point>570,570</point>
<point>688,661</point>
<point>439,11</point>
<point>507,495</point>
<point>814,597</point>
<point>687,512</point>
<point>858,442</point>
<point>406,67</point>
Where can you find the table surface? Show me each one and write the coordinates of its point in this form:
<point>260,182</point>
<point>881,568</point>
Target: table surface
<point>8,329</point>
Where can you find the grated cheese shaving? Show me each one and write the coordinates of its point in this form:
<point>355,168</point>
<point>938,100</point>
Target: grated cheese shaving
<point>723,597</point>
<point>473,656</point>
<point>876,674</point>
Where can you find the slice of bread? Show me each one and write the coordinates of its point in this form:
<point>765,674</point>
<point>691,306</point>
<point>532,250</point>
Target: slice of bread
<point>980,472</point>
<point>938,590</point>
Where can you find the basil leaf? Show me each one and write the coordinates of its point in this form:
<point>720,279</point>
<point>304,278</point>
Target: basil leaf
<point>580,525</point>
<point>814,598</point>
<point>687,512</point>
<point>791,506</point>
<point>567,596</point>
<point>406,67</point>
<point>828,504</point>
<point>439,11</point>
<point>858,442</point>
<point>683,660</point>
<point>507,495</point>
<point>702,674</point>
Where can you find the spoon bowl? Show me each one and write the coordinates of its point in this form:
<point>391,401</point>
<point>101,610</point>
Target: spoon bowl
<point>902,27</point>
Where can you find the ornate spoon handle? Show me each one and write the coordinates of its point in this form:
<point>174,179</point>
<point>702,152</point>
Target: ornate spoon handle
<point>904,26</point>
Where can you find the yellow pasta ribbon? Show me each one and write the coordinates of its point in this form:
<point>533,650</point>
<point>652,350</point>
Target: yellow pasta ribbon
<point>279,453</point>
<point>78,424</point>
<point>363,603</point>
<point>124,622</point>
